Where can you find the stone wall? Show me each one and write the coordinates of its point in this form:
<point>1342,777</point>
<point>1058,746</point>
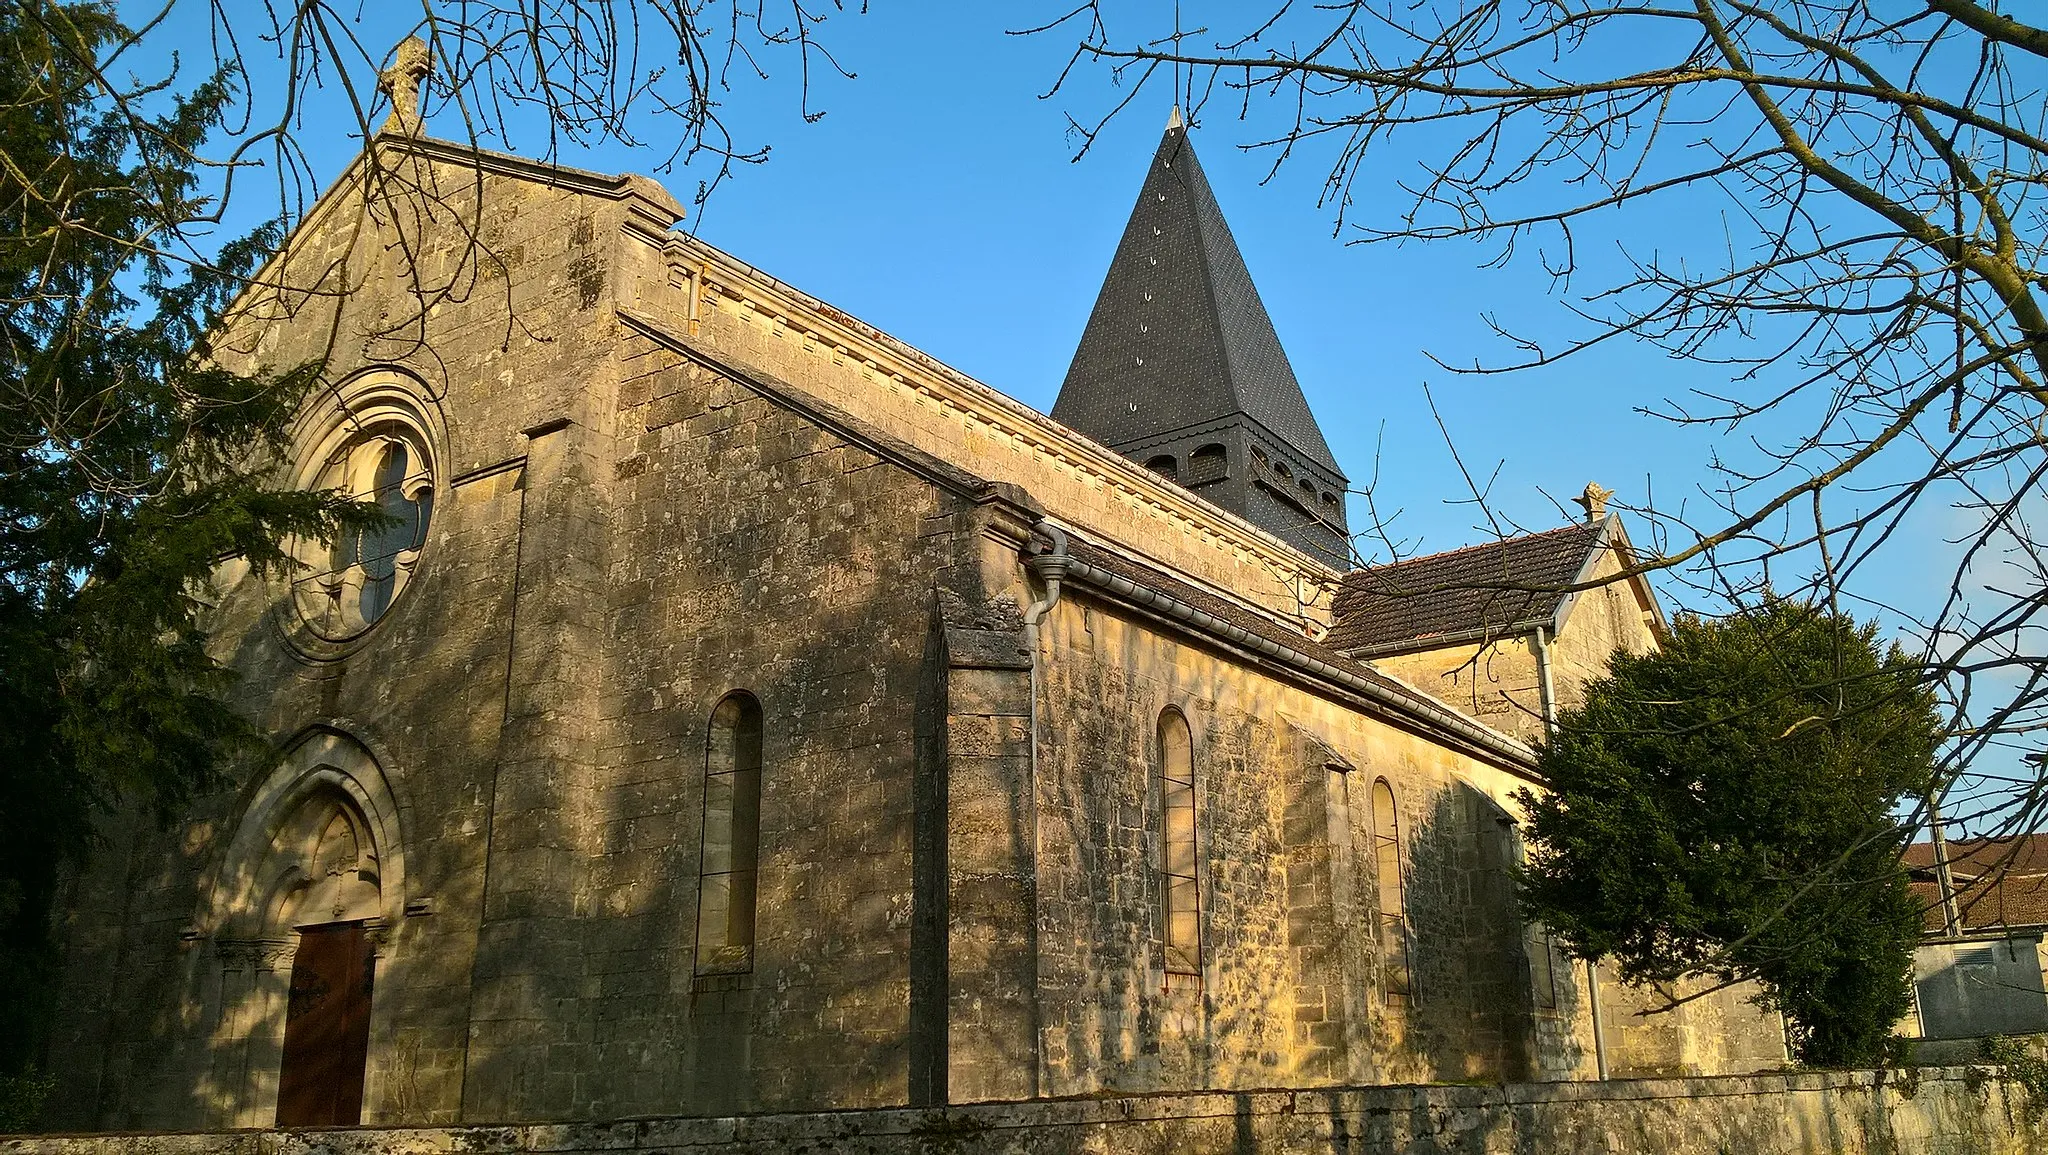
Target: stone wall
<point>751,550</point>
<point>1290,989</point>
<point>1941,1112</point>
<point>1720,1033</point>
<point>622,536</point>
<point>1293,988</point>
<point>427,692</point>
<point>1498,682</point>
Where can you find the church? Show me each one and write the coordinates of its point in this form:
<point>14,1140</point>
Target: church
<point>743,711</point>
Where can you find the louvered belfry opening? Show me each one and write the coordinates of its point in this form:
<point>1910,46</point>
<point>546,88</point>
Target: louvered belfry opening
<point>1180,362</point>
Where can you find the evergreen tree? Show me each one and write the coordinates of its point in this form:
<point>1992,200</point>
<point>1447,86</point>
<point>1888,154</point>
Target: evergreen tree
<point>1726,807</point>
<point>130,466</point>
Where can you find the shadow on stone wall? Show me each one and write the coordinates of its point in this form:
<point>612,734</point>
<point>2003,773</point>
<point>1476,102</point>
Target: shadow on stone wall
<point>1815,1113</point>
<point>1115,1019</point>
<point>1473,1016</point>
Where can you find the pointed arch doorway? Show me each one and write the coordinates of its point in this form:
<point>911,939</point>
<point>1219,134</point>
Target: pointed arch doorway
<point>332,874</point>
<point>310,891</point>
<point>327,1027</point>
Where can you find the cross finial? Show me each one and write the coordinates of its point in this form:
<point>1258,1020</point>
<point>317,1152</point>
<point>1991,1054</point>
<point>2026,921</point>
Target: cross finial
<point>1594,501</point>
<point>410,63</point>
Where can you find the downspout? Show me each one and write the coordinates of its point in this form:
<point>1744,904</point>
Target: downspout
<point>1049,567</point>
<point>1547,689</point>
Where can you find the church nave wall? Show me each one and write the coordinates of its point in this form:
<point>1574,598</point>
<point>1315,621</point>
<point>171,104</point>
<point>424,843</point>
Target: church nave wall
<point>760,552</point>
<point>1294,986</point>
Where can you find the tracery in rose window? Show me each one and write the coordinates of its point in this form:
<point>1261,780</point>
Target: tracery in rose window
<point>366,570</point>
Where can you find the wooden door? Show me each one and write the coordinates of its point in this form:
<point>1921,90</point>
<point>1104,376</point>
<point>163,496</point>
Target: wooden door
<point>327,1028</point>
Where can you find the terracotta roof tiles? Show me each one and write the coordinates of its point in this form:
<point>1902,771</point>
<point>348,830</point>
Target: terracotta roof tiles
<point>1501,586</point>
<point>2000,882</point>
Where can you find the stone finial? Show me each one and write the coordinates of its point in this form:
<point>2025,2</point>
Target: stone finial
<point>1594,501</point>
<point>410,63</point>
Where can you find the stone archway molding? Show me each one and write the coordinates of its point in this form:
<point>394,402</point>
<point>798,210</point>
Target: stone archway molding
<point>250,910</point>
<point>332,754</point>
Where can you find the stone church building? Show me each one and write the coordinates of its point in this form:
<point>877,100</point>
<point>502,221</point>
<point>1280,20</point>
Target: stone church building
<point>745,711</point>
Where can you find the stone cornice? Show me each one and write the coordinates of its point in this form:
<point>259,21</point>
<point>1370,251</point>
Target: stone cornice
<point>714,278</point>
<point>1367,691</point>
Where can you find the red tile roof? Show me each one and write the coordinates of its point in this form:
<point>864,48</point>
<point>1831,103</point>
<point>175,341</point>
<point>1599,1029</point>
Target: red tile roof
<point>2000,882</point>
<point>1503,587</point>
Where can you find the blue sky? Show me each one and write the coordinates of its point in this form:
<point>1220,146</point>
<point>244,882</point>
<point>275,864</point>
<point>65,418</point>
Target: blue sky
<point>941,199</point>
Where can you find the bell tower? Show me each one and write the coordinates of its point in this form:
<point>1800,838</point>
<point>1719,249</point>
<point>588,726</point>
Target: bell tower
<point>1180,368</point>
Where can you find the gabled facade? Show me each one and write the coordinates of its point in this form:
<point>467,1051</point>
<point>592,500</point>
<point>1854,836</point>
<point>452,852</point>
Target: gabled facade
<point>1507,631</point>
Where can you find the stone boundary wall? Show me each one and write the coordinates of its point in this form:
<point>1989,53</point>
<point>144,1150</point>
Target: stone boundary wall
<point>1944,1111</point>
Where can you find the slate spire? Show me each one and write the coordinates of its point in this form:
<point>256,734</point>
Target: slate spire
<point>1180,368</point>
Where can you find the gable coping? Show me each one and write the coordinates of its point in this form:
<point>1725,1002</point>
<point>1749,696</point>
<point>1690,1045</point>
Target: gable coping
<point>652,210</point>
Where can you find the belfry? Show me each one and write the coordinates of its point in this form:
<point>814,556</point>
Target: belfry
<point>1180,368</point>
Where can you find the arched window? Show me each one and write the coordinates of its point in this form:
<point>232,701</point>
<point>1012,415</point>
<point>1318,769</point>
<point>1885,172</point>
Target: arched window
<point>1206,464</point>
<point>1164,465</point>
<point>1332,513</point>
<point>1386,845</point>
<point>732,837</point>
<point>1180,892</point>
<point>1543,966</point>
<point>383,472</point>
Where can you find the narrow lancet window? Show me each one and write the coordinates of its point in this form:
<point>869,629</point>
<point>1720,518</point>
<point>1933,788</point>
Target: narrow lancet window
<point>732,838</point>
<point>1180,921</point>
<point>1543,966</point>
<point>1396,981</point>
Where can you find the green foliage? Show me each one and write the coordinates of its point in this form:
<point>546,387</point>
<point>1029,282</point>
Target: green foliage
<point>130,466</point>
<point>1724,809</point>
<point>21,1099</point>
<point>2023,1065</point>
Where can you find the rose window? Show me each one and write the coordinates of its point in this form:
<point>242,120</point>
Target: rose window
<point>359,577</point>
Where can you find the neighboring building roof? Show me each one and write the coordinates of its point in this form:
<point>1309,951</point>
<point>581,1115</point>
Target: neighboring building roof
<point>1179,336</point>
<point>1498,588</point>
<point>2000,882</point>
